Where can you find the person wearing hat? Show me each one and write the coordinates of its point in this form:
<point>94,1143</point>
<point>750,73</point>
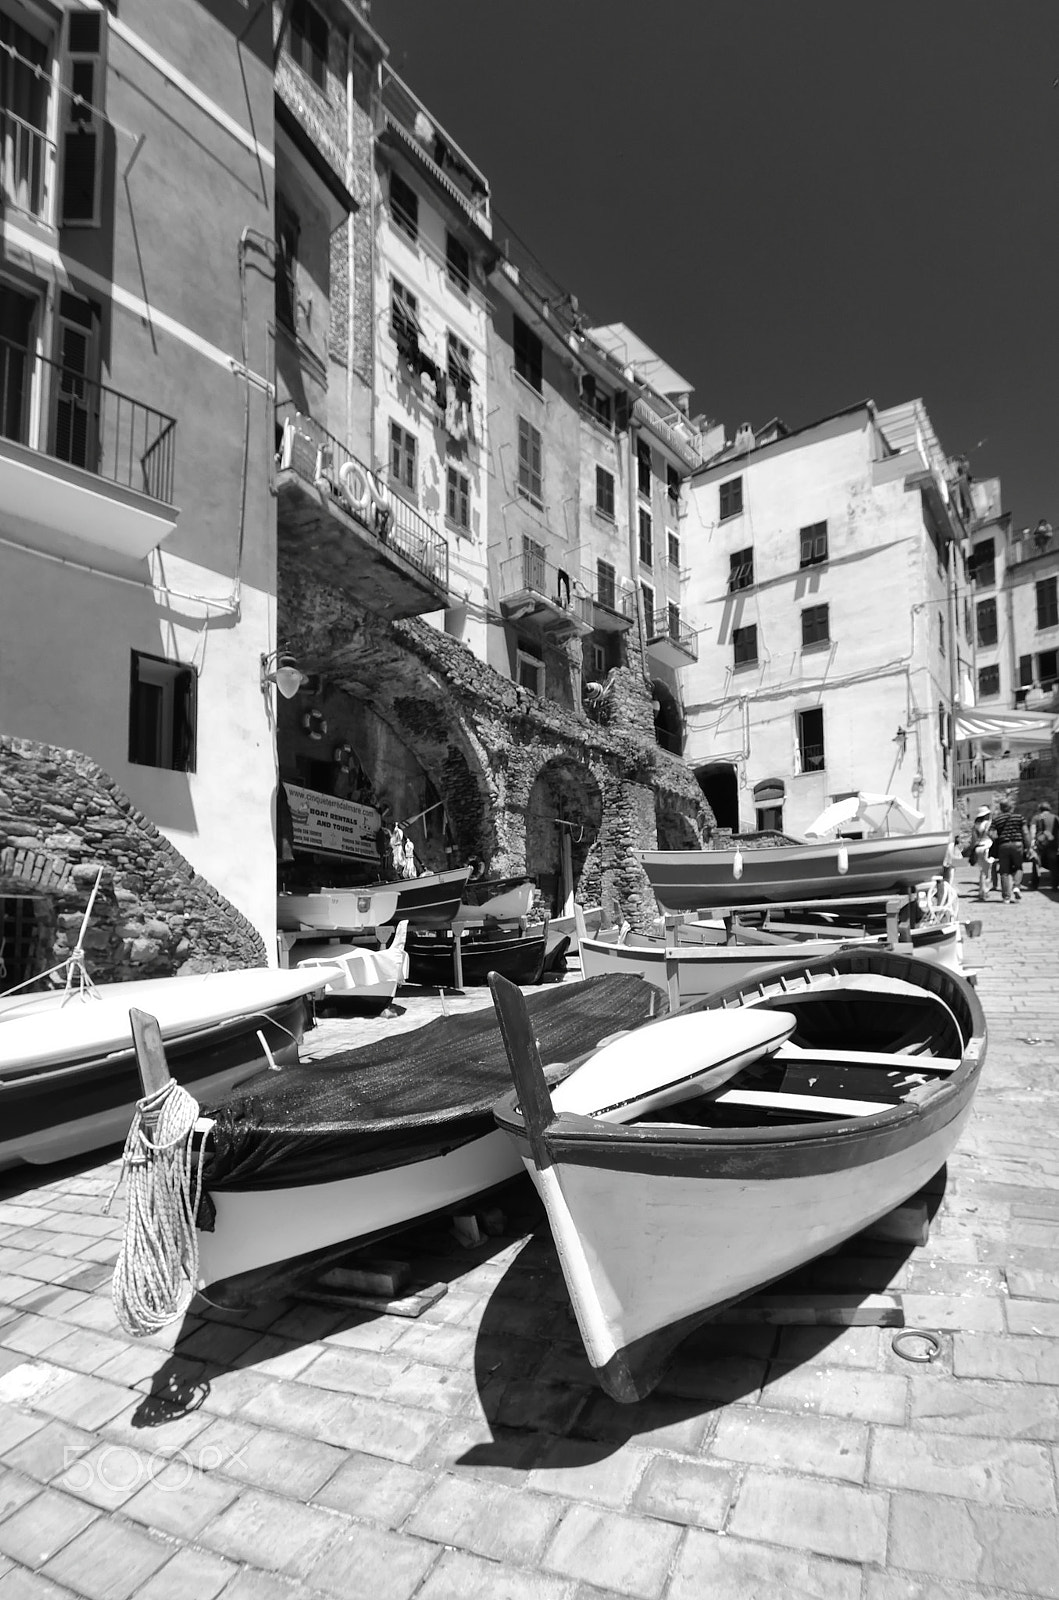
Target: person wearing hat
<point>981,842</point>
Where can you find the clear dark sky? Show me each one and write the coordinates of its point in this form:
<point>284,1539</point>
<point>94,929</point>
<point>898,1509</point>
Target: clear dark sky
<point>798,203</point>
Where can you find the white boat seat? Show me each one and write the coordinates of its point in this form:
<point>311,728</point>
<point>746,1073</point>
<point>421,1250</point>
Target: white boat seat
<point>868,1058</point>
<point>777,1100</point>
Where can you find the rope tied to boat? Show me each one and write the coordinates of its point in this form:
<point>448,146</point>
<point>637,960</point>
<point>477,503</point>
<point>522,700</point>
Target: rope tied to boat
<point>157,1269</point>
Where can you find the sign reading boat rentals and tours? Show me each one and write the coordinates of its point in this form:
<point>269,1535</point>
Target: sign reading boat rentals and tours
<point>328,825</point>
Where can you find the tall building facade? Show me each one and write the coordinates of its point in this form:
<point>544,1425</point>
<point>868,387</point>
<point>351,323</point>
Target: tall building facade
<point>828,564</point>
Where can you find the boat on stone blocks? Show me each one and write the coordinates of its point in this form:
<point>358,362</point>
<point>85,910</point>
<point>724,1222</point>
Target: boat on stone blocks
<point>663,1219</point>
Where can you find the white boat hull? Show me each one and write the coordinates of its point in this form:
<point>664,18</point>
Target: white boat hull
<point>698,970</point>
<point>256,1228</point>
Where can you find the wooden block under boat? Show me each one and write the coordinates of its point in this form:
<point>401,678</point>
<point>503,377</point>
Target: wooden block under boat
<point>907,1224</point>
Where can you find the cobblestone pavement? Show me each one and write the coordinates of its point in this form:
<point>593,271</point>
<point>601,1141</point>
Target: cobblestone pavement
<point>313,1452</point>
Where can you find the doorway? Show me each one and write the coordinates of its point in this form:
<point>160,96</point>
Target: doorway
<point>720,785</point>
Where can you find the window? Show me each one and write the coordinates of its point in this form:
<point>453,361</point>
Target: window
<point>731,498</point>
<point>941,633</point>
<point>25,80</point>
<point>529,462</point>
<point>983,565</point>
<point>988,680</point>
<point>769,819</point>
<point>288,230</point>
<point>673,613</point>
<point>605,589</point>
<point>672,485</point>
<point>529,356</point>
<point>76,397</point>
<point>1047,604</point>
<point>985,618</point>
<point>648,608</point>
<point>741,569</point>
<point>459,498</point>
<point>162,696</point>
<point>529,672</point>
<point>813,545</point>
<point>646,538</point>
<point>459,367</point>
<point>597,659</point>
<point>815,628</point>
<point>744,645</point>
<point>308,41</point>
<point>605,492</point>
<point>402,456</point>
<point>811,739</point>
<point>404,321</point>
<point>1048,668</point>
<point>1026,672</point>
<point>82,137</point>
<point>404,207</point>
<point>673,549</point>
<point>594,401</point>
<point>457,263</point>
<point>643,468</point>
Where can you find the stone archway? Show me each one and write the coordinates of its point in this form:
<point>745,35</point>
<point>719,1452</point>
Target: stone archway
<point>564,813</point>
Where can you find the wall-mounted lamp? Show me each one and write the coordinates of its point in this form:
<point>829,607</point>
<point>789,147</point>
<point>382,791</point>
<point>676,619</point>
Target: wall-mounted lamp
<point>901,740</point>
<point>280,667</point>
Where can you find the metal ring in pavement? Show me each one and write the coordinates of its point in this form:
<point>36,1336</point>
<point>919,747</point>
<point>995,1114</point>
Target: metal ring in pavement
<point>931,1339</point>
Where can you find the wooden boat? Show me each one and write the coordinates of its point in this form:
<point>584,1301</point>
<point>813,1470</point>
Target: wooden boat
<point>480,891</point>
<point>350,1149</point>
<point>357,973</point>
<point>68,1076</point>
<point>684,880</point>
<point>662,1222</point>
<point>512,902</point>
<point>521,954</point>
<point>427,902</point>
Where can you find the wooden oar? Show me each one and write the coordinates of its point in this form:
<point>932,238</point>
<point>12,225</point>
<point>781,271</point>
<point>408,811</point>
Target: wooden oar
<point>536,1107</point>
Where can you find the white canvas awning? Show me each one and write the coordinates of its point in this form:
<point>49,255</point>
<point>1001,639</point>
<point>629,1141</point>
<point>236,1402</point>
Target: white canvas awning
<point>1015,730</point>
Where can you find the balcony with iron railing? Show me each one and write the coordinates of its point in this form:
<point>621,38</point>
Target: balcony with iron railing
<point>341,521</point>
<point>671,641</point>
<point>673,429</point>
<point>417,133</point>
<point>80,457</point>
<point>27,168</point>
<point>533,591</point>
<point>613,604</point>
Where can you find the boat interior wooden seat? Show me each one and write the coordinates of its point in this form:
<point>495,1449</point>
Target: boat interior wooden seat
<point>867,1058</point>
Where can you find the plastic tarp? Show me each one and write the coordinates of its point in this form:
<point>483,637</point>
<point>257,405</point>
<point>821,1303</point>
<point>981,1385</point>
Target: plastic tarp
<point>1015,730</point>
<point>404,1098</point>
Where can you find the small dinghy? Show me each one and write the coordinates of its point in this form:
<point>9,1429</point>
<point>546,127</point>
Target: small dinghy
<point>68,1076</point>
<point>522,955</point>
<point>739,1175</point>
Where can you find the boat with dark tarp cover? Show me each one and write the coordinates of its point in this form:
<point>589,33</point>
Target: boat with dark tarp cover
<point>346,1150</point>
<point>664,1219</point>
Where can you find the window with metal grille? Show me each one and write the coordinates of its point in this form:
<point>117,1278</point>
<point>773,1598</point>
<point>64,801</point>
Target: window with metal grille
<point>82,110</point>
<point>402,456</point>
<point>731,494</point>
<point>741,569</point>
<point>459,498</point>
<point>529,355</point>
<point>162,704</point>
<point>457,263</point>
<point>744,645</point>
<point>643,468</point>
<point>983,565</point>
<point>308,41</point>
<point>605,492</point>
<point>605,585</point>
<point>815,626</point>
<point>530,480</point>
<point>813,545</point>
<point>985,619</point>
<point>646,538</point>
<point>810,727</point>
<point>404,207</point>
<point>988,680</point>
<point>672,484</point>
<point>673,548</point>
<point>1047,603</point>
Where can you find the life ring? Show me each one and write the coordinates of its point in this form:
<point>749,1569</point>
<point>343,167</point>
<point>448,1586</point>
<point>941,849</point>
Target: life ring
<point>356,485</point>
<point>314,723</point>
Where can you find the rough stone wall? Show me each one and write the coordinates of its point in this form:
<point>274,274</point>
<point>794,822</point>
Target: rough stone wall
<point>154,915</point>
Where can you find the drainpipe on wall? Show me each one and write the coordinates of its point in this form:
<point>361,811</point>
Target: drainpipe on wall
<point>954,674</point>
<point>350,245</point>
<point>375,106</point>
<point>634,547</point>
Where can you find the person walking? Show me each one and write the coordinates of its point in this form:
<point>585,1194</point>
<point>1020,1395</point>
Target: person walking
<point>1013,846</point>
<point>1046,843</point>
<point>981,843</point>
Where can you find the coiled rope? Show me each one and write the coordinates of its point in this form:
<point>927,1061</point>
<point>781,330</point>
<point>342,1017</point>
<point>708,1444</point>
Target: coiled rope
<point>157,1271</point>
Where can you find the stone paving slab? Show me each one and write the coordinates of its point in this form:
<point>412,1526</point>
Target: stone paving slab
<point>305,1451</point>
